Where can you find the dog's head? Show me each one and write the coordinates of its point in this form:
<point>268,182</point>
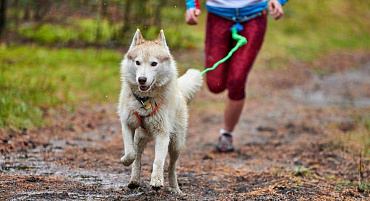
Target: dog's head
<point>148,64</point>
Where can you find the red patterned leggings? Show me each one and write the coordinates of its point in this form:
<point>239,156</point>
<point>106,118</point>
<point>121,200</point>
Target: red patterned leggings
<point>232,74</point>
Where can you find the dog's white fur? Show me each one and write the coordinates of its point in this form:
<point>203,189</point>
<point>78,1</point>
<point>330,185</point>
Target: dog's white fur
<point>167,126</point>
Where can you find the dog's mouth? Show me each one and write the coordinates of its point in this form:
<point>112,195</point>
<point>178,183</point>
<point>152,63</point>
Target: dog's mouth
<point>145,87</point>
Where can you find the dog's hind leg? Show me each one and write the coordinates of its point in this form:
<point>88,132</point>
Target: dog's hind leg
<point>140,144</point>
<point>162,140</point>
<point>128,141</point>
<point>174,152</point>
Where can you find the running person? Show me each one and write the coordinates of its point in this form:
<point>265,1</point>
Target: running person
<point>232,74</point>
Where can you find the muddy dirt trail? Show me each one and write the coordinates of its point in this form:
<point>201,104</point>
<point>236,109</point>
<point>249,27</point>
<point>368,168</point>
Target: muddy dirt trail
<point>291,144</point>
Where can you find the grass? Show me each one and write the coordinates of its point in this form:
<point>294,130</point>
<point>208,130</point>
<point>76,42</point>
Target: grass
<point>363,188</point>
<point>301,171</point>
<point>363,121</point>
<point>311,28</point>
<point>33,79</point>
<point>357,138</point>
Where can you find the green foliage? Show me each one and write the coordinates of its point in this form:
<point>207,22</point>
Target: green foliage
<point>365,121</point>
<point>48,33</point>
<point>83,31</point>
<point>178,33</point>
<point>33,79</point>
<point>311,28</point>
<point>358,138</point>
<point>363,136</point>
<point>362,187</point>
<point>301,171</point>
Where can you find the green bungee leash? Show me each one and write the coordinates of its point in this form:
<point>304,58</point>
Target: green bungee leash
<point>241,40</point>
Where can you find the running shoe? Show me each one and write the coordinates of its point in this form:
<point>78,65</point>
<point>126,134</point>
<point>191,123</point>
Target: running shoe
<point>225,143</point>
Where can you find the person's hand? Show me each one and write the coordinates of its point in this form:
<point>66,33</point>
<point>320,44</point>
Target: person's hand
<point>191,16</point>
<point>275,9</point>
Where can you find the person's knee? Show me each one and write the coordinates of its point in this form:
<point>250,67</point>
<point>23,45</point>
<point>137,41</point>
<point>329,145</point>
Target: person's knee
<point>216,87</point>
<point>236,92</point>
<point>236,96</point>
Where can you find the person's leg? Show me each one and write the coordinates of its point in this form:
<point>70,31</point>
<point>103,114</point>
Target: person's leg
<point>232,113</point>
<point>240,65</point>
<point>233,110</point>
<point>217,44</point>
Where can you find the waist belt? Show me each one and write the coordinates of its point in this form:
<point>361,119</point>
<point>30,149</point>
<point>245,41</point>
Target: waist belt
<point>246,18</point>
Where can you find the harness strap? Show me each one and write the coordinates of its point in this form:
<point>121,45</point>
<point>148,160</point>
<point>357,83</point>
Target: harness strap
<point>154,110</point>
<point>140,118</point>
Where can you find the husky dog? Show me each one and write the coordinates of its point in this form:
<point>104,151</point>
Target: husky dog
<point>153,105</point>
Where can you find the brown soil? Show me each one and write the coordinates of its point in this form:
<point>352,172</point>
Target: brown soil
<point>290,144</point>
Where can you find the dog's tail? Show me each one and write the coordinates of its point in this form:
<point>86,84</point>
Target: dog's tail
<point>190,83</point>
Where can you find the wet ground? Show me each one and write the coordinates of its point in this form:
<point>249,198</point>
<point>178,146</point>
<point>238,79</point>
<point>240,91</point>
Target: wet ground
<point>297,140</point>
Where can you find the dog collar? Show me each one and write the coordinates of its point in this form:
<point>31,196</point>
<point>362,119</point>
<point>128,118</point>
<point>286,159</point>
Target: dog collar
<point>141,100</point>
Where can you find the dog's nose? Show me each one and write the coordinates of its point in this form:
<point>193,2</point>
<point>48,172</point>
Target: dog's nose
<point>142,80</point>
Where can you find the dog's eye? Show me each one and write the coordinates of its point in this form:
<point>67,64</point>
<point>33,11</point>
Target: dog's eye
<point>137,63</point>
<point>154,64</point>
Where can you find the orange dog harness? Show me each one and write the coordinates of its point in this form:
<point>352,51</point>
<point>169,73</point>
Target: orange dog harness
<point>140,118</point>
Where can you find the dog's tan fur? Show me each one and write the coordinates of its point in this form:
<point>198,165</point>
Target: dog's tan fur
<point>168,125</point>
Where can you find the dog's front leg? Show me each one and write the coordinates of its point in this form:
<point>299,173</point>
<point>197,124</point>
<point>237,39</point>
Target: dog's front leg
<point>161,149</point>
<point>140,142</point>
<point>128,141</point>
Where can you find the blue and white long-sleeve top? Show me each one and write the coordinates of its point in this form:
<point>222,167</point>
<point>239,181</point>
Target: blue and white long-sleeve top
<point>232,8</point>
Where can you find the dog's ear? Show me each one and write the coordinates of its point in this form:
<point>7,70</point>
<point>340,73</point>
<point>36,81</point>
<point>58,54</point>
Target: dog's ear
<point>162,40</point>
<point>138,39</point>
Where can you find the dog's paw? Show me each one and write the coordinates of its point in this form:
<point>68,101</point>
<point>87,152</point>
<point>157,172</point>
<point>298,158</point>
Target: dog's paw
<point>128,159</point>
<point>156,189</point>
<point>133,184</point>
<point>156,183</point>
<point>176,191</point>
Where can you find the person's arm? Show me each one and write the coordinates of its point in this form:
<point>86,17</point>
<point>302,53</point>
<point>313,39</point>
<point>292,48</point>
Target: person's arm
<point>193,10</point>
<point>275,8</point>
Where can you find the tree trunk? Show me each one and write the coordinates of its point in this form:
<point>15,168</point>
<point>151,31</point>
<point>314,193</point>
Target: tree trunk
<point>157,13</point>
<point>126,19</point>
<point>27,14</point>
<point>141,15</point>
<point>2,16</point>
<point>41,9</point>
<point>104,9</point>
<point>102,14</point>
<point>16,13</point>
